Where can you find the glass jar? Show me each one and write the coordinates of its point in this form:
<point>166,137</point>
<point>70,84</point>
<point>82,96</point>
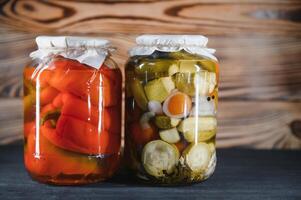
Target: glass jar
<point>171,99</point>
<point>72,111</point>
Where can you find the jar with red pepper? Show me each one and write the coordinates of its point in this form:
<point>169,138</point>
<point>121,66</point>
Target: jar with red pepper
<point>72,111</point>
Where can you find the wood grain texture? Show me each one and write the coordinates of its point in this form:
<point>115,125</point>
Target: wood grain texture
<point>258,44</point>
<point>11,120</point>
<point>190,16</point>
<point>261,68</point>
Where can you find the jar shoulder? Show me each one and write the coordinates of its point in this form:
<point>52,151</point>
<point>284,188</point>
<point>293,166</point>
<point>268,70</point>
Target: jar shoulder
<point>158,61</point>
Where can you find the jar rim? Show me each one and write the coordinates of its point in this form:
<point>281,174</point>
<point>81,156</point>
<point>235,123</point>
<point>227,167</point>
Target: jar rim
<point>172,40</point>
<point>87,50</point>
<point>64,42</point>
<point>193,44</point>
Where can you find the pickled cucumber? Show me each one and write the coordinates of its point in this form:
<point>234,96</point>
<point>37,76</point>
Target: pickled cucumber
<point>170,135</point>
<point>197,156</point>
<point>192,124</point>
<point>159,89</point>
<point>202,136</point>
<point>163,122</point>
<point>189,66</point>
<point>174,122</point>
<point>184,55</point>
<point>139,95</point>
<point>159,158</point>
<point>193,66</point>
<point>184,83</point>
<point>204,82</point>
<point>151,69</point>
<point>173,69</point>
<point>208,65</point>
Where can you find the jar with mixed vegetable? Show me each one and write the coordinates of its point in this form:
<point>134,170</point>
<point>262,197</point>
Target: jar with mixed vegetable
<point>72,111</point>
<point>171,100</point>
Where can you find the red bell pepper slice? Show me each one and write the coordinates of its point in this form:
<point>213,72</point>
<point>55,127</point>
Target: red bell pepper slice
<point>46,109</point>
<point>31,74</point>
<point>29,128</point>
<point>54,161</point>
<point>70,105</point>
<point>44,77</point>
<point>60,62</point>
<point>79,136</point>
<point>47,95</point>
<point>85,82</point>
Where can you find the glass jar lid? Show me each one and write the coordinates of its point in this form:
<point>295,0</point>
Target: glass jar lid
<point>87,50</point>
<point>194,44</point>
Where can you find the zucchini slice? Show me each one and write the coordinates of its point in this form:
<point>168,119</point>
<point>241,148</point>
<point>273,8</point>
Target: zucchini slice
<point>159,89</point>
<point>173,69</point>
<point>197,156</point>
<point>170,135</point>
<point>211,166</point>
<point>159,158</point>
<point>190,136</point>
<point>174,122</point>
<point>193,124</point>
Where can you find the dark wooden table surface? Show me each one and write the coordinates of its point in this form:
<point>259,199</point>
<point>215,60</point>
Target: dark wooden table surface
<point>241,174</point>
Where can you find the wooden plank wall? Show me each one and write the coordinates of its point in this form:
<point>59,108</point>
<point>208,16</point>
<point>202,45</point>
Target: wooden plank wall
<point>258,43</point>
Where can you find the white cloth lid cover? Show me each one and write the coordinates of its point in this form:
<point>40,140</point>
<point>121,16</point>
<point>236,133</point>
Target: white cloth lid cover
<point>87,50</point>
<point>194,44</point>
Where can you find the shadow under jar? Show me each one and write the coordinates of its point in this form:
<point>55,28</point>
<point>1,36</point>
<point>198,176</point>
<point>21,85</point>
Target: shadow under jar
<point>171,99</point>
<point>72,111</point>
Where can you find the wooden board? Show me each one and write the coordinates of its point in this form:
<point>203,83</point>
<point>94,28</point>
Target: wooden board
<point>258,44</point>
<point>217,17</point>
